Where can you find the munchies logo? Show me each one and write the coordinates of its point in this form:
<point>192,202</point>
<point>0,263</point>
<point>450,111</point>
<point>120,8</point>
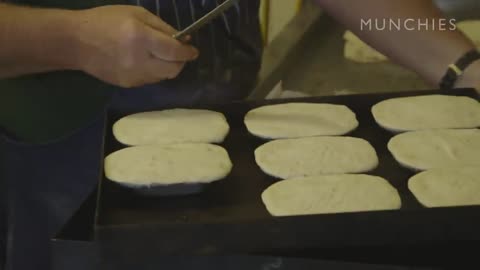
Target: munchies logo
<point>409,24</point>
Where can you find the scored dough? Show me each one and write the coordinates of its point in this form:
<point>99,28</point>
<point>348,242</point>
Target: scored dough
<point>316,156</point>
<point>171,126</point>
<point>446,187</point>
<point>427,112</point>
<point>168,164</point>
<point>330,194</point>
<point>294,120</point>
<point>423,150</point>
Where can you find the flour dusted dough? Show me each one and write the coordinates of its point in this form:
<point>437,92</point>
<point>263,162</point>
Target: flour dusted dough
<point>446,187</point>
<point>294,120</point>
<point>168,164</point>
<point>427,112</point>
<point>423,150</point>
<point>330,194</point>
<point>171,126</point>
<point>316,156</point>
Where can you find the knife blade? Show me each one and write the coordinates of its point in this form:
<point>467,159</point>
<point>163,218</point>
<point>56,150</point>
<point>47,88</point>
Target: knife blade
<point>205,19</point>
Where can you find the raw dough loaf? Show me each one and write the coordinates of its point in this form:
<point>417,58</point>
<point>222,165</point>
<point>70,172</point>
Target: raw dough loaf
<point>171,126</point>
<point>294,120</point>
<point>427,112</point>
<point>423,150</point>
<point>316,156</point>
<point>142,166</point>
<point>446,187</point>
<point>330,194</point>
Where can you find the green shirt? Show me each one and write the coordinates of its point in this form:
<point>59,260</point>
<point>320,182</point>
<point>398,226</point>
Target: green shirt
<point>43,107</point>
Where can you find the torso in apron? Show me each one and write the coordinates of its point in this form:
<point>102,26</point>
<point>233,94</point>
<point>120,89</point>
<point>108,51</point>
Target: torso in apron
<point>51,105</point>
<point>230,53</point>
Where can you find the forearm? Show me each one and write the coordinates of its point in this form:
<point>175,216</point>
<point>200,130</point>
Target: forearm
<point>35,40</point>
<point>428,52</point>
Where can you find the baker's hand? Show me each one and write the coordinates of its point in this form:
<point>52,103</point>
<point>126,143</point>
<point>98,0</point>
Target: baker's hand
<point>128,46</point>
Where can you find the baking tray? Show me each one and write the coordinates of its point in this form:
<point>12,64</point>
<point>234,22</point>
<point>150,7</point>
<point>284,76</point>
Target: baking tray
<point>229,216</point>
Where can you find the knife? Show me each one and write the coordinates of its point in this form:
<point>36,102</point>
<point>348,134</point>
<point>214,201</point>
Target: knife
<point>219,10</point>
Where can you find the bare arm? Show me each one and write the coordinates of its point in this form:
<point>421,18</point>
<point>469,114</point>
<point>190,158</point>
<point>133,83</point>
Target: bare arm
<point>122,45</point>
<point>427,52</point>
<point>33,40</point>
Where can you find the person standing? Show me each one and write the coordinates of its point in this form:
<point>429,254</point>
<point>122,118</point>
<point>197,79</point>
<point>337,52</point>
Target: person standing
<point>63,62</point>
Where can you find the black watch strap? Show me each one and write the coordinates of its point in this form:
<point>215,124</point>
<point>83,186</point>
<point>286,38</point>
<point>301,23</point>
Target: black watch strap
<point>456,70</point>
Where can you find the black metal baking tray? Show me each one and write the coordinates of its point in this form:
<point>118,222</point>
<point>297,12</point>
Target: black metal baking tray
<point>229,217</point>
<point>229,262</point>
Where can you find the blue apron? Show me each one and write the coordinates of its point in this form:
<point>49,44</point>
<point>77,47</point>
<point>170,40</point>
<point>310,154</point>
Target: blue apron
<point>49,108</point>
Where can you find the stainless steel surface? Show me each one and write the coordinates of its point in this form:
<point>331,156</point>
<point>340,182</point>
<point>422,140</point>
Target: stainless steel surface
<point>282,50</point>
<point>317,66</point>
<point>218,11</point>
<point>320,68</point>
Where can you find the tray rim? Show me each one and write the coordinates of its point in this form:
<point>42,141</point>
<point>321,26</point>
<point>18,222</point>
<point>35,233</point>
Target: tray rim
<point>99,228</point>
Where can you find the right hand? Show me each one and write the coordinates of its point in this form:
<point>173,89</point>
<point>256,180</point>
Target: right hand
<point>128,46</point>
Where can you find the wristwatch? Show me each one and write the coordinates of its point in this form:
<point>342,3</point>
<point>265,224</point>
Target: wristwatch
<point>455,71</point>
